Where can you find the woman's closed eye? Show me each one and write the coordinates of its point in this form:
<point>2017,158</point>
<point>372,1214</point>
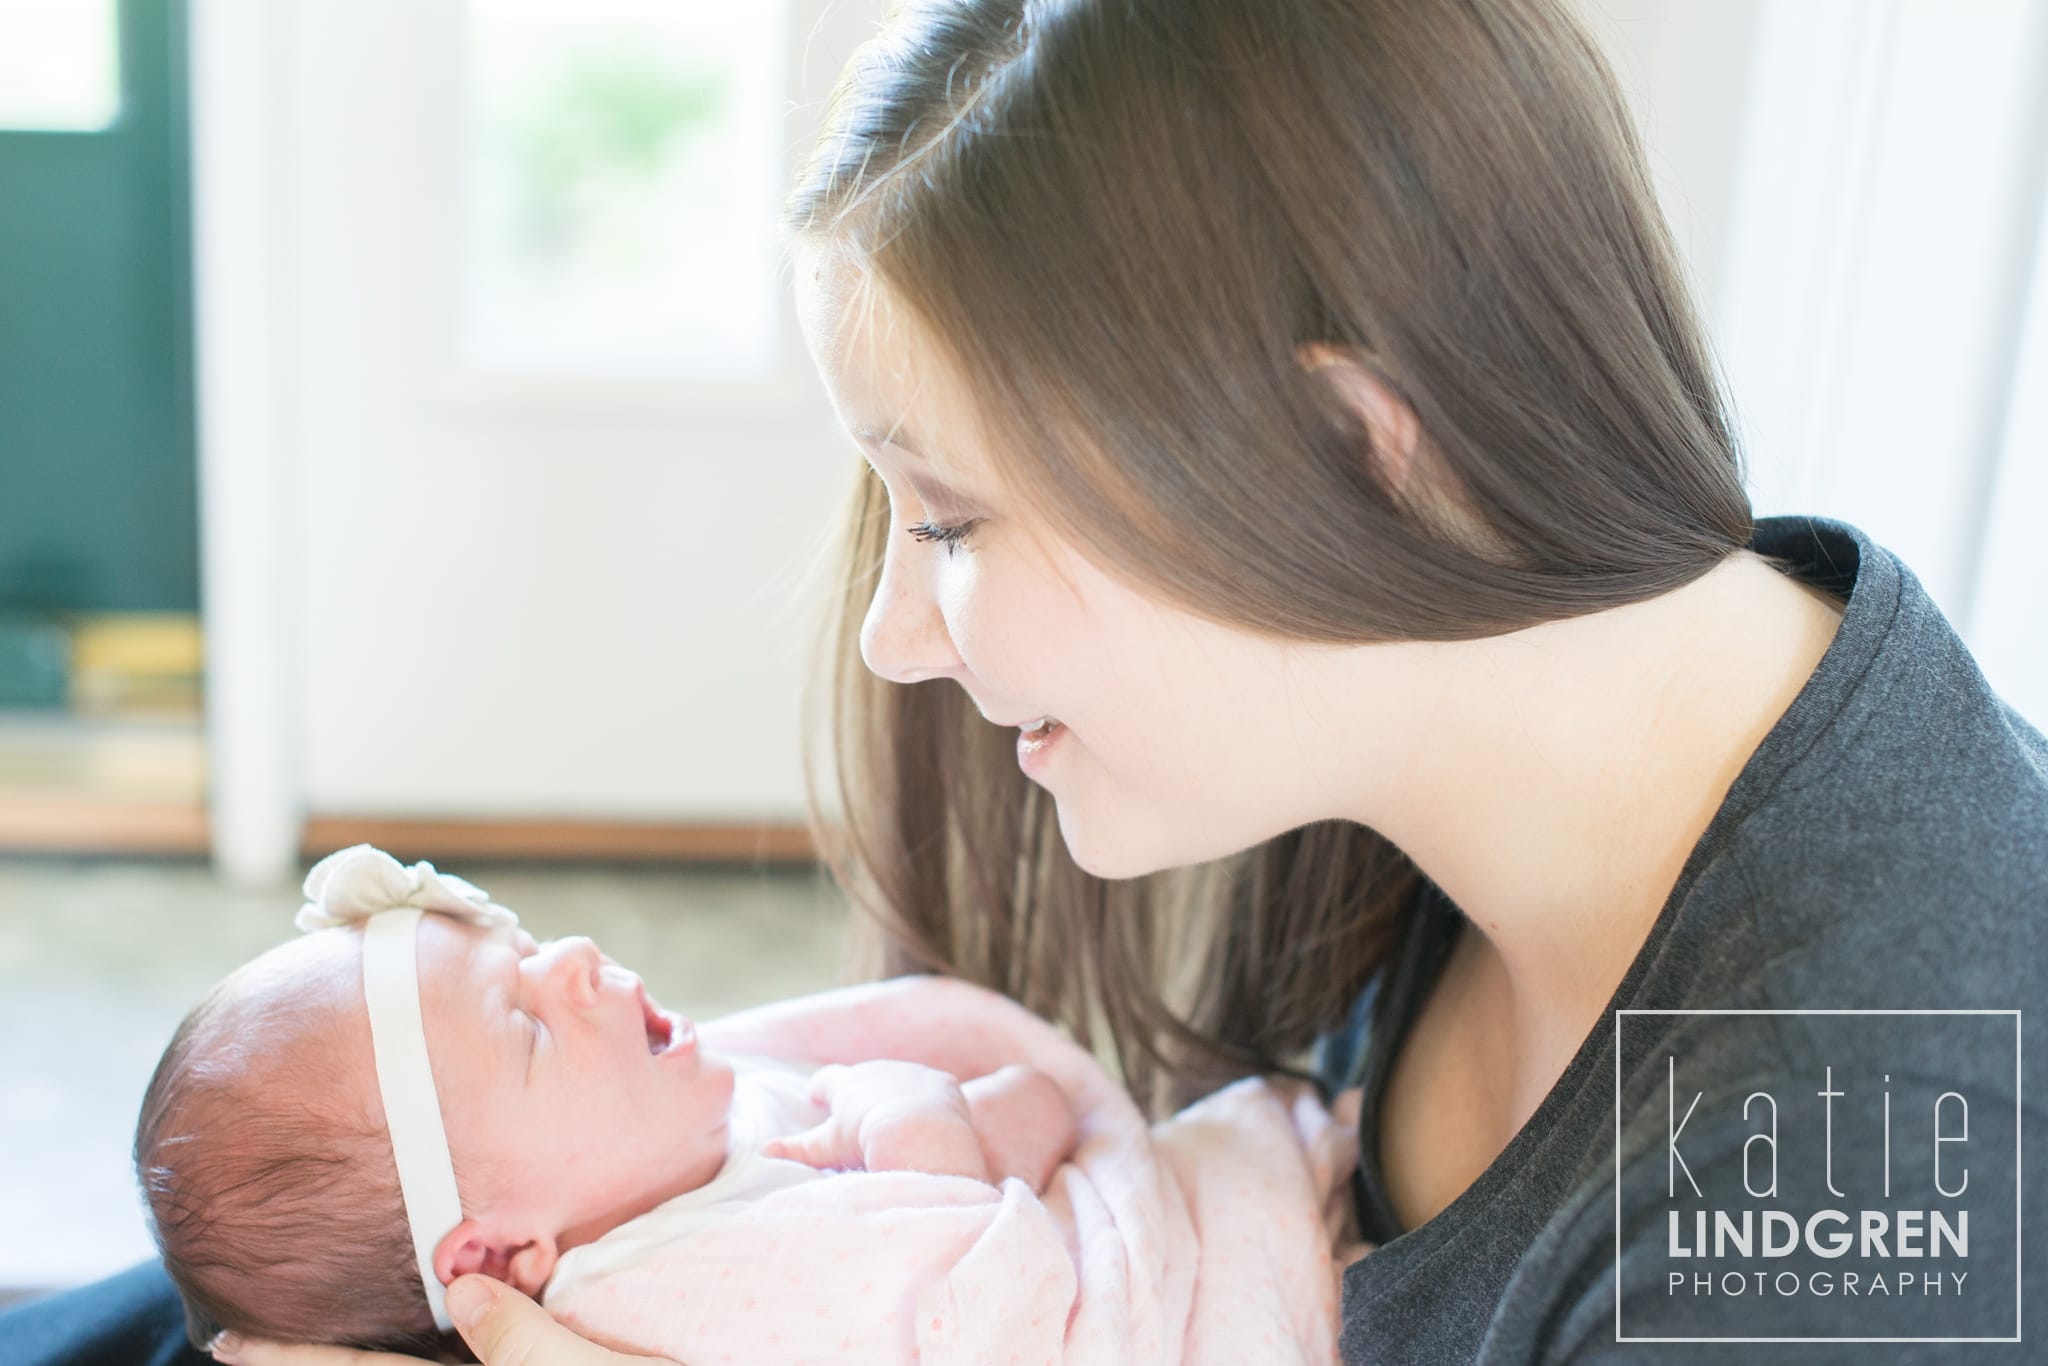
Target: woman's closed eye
<point>948,536</point>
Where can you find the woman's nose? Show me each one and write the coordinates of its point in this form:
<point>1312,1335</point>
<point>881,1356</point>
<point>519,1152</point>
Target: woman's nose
<point>569,970</point>
<point>904,638</point>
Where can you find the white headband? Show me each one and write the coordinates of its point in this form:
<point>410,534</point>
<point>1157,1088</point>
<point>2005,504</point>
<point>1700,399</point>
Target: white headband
<point>367,886</point>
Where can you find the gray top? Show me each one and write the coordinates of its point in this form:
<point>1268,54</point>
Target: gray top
<point>1884,850</point>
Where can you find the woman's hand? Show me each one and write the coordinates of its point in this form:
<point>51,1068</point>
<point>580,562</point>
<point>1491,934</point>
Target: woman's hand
<point>502,1326</point>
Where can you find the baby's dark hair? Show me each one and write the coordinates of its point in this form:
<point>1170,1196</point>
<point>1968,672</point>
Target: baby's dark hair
<point>272,1191</point>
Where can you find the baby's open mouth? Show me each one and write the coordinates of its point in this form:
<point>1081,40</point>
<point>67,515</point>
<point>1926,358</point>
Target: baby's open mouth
<point>664,1030</point>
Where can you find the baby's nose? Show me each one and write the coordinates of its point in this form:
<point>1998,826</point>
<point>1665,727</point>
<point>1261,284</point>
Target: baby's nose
<point>573,967</point>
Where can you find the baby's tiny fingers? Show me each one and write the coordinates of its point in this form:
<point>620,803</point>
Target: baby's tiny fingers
<point>813,1147</point>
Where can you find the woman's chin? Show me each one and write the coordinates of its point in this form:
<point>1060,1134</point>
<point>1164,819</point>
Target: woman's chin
<point>1112,860</point>
<point>1120,855</point>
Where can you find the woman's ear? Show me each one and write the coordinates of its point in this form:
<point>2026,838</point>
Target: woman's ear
<point>1391,423</point>
<point>524,1262</point>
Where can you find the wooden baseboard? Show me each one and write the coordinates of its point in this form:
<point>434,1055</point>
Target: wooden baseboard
<point>59,824</point>
<point>609,841</point>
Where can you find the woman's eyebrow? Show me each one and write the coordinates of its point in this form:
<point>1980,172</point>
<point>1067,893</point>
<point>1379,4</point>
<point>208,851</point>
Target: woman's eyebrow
<point>895,436</point>
<point>930,477</point>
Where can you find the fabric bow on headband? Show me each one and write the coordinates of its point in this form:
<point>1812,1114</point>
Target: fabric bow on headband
<point>367,887</point>
<point>350,886</point>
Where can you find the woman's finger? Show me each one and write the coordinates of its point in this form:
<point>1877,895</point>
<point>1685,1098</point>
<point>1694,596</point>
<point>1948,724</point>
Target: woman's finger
<point>505,1328</point>
<point>239,1351</point>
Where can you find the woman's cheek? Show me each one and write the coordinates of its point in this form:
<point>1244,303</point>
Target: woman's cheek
<point>960,597</point>
<point>1001,634</point>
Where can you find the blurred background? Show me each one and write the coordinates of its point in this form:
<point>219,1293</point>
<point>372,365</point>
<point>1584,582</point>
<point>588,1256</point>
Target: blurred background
<point>405,436</point>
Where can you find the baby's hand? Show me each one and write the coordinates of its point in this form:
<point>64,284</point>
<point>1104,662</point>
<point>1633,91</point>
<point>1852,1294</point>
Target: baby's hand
<point>888,1116</point>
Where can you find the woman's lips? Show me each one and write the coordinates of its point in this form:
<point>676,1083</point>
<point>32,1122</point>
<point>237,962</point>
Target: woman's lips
<point>1035,744</point>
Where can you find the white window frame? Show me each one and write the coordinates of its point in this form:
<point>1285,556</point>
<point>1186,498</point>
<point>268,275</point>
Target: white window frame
<point>1885,203</point>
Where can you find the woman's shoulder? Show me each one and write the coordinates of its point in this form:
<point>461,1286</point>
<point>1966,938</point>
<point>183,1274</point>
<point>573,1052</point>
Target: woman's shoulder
<point>1900,791</point>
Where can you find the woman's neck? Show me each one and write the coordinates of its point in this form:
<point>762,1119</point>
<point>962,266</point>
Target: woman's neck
<point>1567,771</point>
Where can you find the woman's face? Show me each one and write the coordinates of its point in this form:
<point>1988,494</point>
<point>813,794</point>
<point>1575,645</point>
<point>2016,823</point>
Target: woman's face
<point>1181,740</point>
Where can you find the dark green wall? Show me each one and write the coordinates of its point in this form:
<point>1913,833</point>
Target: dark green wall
<point>98,484</point>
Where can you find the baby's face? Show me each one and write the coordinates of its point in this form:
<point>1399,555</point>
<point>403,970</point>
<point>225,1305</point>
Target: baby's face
<point>571,1100</point>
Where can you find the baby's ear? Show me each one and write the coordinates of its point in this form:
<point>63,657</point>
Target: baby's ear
<point>532,1264</point>
<point>524,1263</point>
<point>468,1248</point>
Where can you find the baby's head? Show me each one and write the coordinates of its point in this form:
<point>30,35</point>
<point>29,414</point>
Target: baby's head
<point>570,1101</point>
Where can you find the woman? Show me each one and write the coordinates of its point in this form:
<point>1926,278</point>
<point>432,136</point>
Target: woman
<point>1301,612</point>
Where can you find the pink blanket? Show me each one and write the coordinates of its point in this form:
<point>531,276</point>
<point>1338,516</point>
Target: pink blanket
<point>1206,1238</point>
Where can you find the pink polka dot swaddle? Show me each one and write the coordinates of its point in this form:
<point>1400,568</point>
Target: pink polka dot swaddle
<point>1202,1239</point>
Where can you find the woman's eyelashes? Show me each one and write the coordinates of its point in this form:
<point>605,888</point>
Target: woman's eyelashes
<point>933,501</point>
<point>948,536</point>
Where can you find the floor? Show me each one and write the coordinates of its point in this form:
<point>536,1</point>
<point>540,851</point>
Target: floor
<point>100,959</point>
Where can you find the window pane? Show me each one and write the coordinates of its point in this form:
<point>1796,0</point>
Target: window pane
<point>60,65</point>
<point>624,164</point>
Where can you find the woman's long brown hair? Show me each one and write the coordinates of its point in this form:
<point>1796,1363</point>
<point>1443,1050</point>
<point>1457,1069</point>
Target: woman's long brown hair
<point>1125,219</point>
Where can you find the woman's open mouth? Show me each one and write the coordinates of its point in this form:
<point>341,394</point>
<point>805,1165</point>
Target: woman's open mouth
<point>1036,741</point>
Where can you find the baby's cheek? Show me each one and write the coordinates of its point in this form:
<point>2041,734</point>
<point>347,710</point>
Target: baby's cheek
<point>469,1118</point>
<point>709,1095</point>
<point>529,1139</point>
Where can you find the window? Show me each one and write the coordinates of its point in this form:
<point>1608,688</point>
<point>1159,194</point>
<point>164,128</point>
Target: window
<point>60,65</point>
<point>622,166</point>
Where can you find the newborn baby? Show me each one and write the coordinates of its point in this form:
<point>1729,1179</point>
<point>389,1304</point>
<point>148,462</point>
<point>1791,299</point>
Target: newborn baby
<point>415,1089</point>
